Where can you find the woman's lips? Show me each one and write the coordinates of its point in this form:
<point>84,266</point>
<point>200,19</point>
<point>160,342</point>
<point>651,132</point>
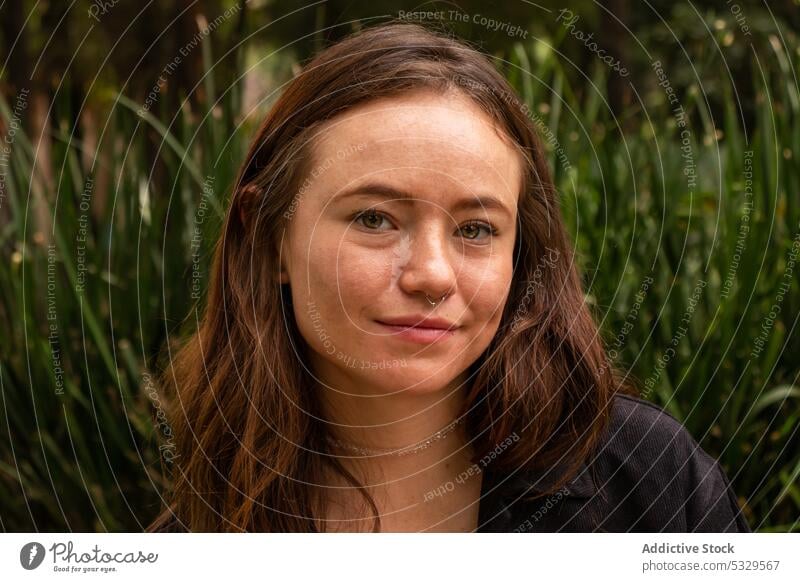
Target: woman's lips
<point>418,334</point>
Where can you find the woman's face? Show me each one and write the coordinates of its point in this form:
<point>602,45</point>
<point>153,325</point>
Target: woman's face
<point>438,187</point>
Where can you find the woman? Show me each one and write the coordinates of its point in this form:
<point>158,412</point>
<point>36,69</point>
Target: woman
<point>396,338</point>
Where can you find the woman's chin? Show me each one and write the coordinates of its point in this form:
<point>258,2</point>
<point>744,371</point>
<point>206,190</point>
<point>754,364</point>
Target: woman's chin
<point>422,378</point>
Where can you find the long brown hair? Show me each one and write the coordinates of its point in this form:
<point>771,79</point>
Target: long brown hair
<point>249,450</point>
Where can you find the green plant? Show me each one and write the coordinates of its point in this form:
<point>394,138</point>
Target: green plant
<point>684,270</point>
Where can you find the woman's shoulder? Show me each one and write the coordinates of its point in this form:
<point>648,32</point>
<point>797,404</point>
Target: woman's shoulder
<point>654,476</point>
<point>635,419</point>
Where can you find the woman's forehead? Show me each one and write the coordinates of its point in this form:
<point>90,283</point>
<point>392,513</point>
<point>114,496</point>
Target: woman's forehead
<point>421,138</point>
<point>423,117</point>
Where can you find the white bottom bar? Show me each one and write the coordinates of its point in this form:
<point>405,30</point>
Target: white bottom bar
<point>400,557</point>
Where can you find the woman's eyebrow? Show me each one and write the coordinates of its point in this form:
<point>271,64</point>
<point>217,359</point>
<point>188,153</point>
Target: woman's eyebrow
<point>390,193</point>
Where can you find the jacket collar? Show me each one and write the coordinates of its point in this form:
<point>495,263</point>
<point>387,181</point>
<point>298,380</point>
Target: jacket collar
<point>500,490</point>
<point>528,481</point>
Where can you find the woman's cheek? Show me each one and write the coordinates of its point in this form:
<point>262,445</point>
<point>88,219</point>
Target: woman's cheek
<point>485,289</point>
<point>364,279</point>
<point>348,280</point>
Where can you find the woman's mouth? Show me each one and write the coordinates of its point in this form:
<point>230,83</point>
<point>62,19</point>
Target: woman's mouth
<point>419,333</point>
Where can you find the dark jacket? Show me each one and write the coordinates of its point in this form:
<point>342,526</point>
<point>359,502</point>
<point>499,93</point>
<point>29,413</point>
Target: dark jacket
<point>649,475</point>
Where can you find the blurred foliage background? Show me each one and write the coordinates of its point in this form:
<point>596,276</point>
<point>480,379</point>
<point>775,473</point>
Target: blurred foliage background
<point>116,158</point>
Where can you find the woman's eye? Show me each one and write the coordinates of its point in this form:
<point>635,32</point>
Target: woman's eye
<point>370,219</point>
<point>473,229</point>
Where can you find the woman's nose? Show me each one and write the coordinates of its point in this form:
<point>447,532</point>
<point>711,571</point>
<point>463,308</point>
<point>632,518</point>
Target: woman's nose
<point>429,267</point>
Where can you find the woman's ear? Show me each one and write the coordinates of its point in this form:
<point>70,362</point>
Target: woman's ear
<point>283,274</point>
<point>244,200</point>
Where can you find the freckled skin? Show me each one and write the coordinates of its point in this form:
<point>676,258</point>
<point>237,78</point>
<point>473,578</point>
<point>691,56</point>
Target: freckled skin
<point>440,148</point>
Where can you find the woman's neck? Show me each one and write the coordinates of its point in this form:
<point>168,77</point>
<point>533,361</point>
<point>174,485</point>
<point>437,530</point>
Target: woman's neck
<point>407,489</point>
<point>391,420</point>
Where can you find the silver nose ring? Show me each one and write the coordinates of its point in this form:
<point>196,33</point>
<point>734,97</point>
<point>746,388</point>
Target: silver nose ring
<point>435,302</point>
